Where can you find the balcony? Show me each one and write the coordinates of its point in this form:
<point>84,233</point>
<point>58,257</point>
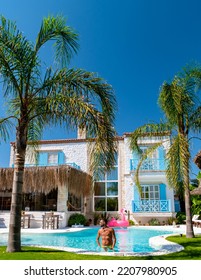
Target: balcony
<point>151,164</point>
<point>151,206</point>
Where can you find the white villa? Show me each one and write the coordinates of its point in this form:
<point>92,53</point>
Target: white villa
<point>114,191</point>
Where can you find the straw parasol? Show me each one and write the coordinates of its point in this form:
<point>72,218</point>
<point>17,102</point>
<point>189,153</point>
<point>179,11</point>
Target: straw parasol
<point>197,191</point>
<point>197,161</point>
<point>45,179</point>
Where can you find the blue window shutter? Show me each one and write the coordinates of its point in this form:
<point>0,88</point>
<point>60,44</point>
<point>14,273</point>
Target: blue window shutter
<point>161,155</point>
<point>61,158</point>
<point>42,158</point>
<point>136,193</point>
<point>136,201</point>
<point>162,192</point>
<point>136,158</point>
<point>177,206</point>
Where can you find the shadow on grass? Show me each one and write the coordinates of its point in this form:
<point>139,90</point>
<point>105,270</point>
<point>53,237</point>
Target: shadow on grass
<point>40,250</point>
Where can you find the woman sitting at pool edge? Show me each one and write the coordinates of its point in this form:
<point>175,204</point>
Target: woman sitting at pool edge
<point>107,235</point>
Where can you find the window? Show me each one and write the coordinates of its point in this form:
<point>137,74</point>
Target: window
<point>74,202</point>
<point>52,158</point>
<point>106,190</point>
<point>151,162</point>
<point>144,149</point>
<point>150,192</point>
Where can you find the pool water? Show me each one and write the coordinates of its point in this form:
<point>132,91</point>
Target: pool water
<point>128,240</point>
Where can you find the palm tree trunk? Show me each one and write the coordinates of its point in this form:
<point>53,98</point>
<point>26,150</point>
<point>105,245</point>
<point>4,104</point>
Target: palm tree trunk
<point>186,160</point>
<point>14,235</point>
<point>189,224</point>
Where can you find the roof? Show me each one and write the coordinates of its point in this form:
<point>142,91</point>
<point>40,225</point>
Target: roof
<point>79,140</point>
<point>44,179</point>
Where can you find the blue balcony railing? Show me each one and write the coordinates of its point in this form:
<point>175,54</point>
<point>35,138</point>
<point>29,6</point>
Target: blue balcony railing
<point>151,205</point>
<point>151,164</point>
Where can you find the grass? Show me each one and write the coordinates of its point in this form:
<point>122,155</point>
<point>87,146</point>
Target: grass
<point>192,251</point>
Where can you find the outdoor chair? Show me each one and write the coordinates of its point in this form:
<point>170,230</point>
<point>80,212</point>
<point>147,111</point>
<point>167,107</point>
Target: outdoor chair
<point>198,223</point>
<point>48,220</point>
<point>25,220</point>
<point>195,219</point>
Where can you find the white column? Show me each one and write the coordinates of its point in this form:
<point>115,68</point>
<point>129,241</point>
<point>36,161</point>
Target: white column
<point>62,198</point>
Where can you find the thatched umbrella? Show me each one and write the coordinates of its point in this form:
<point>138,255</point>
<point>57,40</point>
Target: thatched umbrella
<point>197,161</point>
<point>197,191</point>
<point>45,179</point>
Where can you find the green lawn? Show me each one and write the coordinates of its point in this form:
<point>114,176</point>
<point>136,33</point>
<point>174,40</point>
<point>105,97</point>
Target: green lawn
<point>192,251</point>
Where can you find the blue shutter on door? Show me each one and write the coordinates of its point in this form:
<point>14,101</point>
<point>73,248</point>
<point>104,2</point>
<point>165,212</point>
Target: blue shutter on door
<point>162,192</point>
<point>42,159</point>
<point>161,156</point>
<point>136,202</point>
<point>61,158</point>
<point>165,205</point>
<point>134,161</point>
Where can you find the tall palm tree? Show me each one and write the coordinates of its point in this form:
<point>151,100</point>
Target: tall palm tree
<point>73,97</point>
<point>181,106</point>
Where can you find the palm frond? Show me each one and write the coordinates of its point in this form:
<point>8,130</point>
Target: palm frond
<point>148,130</point>
<point>192,72</point>
<point>75,112</point>
<point>35,129</point>
<point>103,149</point>
<point>144,156</point>
<point>76,98</point>
<point>178,99</point>
<point>91,88</point>
<point>170,100</point>
<point>195,120</point>
<point>5,128</point>
<point>185,160</point>
<point>173,170</point>
<point>177,161</point>
<point>54,28</point>
<point>15,57</point>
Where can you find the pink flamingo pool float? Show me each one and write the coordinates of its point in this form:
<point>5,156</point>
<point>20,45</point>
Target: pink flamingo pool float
<point>119,223</point>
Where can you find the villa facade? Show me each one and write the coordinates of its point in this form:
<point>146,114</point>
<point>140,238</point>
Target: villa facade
<point>114,190</point>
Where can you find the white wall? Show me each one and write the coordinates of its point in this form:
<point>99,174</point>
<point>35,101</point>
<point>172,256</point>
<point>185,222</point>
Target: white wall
<point>74,153</point>
<point>146,178</point>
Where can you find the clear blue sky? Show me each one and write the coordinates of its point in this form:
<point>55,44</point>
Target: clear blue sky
<point>134,44</point>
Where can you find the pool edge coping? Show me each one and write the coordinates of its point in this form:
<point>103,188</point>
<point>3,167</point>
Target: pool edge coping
<point>160,243</point>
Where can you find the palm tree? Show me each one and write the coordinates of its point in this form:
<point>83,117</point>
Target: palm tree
<point>180,104</point>
<point>60,96</point>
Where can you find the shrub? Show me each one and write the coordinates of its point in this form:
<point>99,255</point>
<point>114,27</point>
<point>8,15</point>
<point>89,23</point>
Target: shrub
<point>181,217</point>
<point>97,216</point>
<point>154,222</point>
<point>170,220</point>
<point>131,223</point>
<point>76,219</point>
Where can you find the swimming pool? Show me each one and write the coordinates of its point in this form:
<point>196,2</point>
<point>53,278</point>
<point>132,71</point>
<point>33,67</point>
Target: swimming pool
<point>130,239</point>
